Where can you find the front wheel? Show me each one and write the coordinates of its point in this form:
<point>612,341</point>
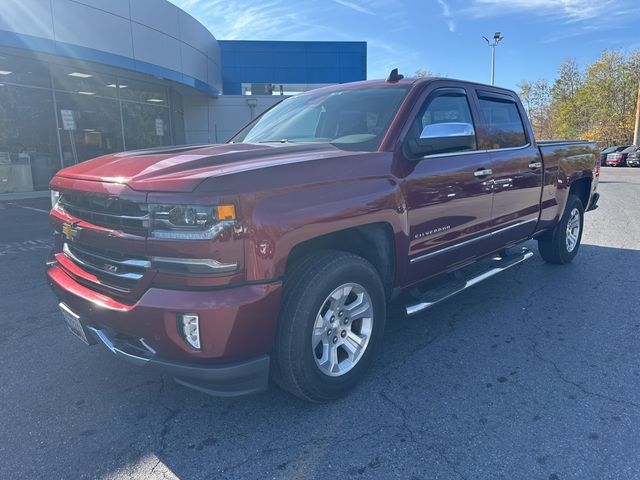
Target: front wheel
<point>561,245</point>
<point>331,323</point>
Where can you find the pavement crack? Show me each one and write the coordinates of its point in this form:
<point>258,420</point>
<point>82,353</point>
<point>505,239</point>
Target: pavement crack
<point>403,414</point>
<point>450,463</point>
<point>563,377</point>
<point>316,441</point>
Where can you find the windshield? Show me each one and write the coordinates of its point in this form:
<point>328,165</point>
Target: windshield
<point>350,119</point>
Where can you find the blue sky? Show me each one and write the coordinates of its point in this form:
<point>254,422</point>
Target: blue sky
<point>442,36</point>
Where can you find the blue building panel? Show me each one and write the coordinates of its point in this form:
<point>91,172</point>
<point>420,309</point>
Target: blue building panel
<point>248,61</point>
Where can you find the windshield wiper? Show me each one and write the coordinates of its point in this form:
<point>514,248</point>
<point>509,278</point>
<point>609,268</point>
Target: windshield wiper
<point>281,140</point>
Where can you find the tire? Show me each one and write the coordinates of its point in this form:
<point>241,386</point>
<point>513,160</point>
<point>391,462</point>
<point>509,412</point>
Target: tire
<point>301,359</point>
<point>561,245</point>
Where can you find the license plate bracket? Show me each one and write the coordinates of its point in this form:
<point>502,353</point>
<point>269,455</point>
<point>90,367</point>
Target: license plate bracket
<point>72,320</point>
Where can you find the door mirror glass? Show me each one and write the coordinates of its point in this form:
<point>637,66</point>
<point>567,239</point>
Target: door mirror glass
<point>444,138</point>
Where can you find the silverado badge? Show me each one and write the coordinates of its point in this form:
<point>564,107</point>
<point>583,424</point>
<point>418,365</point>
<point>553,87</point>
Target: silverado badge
<point>70,231</point>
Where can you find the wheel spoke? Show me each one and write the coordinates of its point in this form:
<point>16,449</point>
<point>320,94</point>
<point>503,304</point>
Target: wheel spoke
<point>340,295</point>
<point>333,359</point>
<point>325,354</point>
<point>353,343</point>
<point>364,310</point>
<point>318,335</point>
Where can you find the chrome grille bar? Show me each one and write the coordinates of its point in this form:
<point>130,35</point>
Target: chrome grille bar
<point>87,264</point>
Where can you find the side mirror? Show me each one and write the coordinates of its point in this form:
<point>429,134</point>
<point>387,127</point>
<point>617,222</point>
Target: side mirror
<point>444,138</point>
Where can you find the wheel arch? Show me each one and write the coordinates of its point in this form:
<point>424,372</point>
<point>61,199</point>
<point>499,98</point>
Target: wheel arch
<point>582,189</point>
<point>374,242</point>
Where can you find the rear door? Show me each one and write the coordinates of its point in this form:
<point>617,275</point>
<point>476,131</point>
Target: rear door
<point>516,164</point>
<point>448,194</point>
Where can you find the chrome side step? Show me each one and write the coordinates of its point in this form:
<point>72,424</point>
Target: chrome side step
<point>422,301</point>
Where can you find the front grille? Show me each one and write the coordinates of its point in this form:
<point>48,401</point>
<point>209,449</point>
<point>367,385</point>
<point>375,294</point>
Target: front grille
<point>114,271</point>
<point>110,212</point>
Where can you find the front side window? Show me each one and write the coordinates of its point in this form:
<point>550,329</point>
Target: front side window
<point>504,124</point>
<point>444,126</point>
<point>351,119</point>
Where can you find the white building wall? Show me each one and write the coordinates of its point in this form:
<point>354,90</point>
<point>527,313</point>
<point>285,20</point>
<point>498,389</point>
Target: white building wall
<point>217,120</point>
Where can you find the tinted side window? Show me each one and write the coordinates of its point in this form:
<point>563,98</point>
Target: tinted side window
<point>504,124</point>
<point>447,108</point>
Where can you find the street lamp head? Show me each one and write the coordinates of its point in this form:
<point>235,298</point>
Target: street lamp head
<point>486,40</point>
<point>497,37</point>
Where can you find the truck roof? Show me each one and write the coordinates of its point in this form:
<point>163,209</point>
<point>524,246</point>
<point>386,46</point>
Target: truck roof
<point>408,81</point>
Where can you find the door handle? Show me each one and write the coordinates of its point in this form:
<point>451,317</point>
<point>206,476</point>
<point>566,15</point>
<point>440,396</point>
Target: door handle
<point>535,165</point>
<point>483,172</point>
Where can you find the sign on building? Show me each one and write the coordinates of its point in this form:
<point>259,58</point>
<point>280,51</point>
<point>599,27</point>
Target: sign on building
<point>68,120</point>
<point>159,127</point>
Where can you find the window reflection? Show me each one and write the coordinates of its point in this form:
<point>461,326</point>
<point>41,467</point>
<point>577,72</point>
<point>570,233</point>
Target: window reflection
<point>145,126</point>
<point>83,81</point>
<point>28,144</point>
<point>143,92</point>
<point>23,71</point>
<point>97,127</point>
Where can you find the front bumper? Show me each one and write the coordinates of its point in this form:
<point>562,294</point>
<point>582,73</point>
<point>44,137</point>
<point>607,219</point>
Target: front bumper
<point>225,380</point>
<point>237,328</point>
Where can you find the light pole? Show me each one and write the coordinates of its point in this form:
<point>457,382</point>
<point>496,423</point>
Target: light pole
<point>496,40</point>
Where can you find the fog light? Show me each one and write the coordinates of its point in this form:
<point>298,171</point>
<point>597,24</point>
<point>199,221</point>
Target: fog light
<point>189,326</point>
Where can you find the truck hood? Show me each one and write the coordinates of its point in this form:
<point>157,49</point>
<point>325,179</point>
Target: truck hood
<point>182,169</point>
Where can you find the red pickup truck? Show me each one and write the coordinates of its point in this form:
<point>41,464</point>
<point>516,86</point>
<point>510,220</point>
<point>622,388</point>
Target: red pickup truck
<point>276,254</point>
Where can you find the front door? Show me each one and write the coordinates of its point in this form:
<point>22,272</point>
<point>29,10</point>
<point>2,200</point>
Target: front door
<point>448,193</point>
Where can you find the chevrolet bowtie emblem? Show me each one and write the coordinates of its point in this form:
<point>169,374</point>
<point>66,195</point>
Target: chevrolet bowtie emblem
<point>70,231</point>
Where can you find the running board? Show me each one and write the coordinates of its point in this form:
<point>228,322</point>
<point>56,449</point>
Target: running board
<point>422,301</point>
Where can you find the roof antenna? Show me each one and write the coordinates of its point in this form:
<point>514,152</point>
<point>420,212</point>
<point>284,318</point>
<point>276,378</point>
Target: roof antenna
<point>394,76</point>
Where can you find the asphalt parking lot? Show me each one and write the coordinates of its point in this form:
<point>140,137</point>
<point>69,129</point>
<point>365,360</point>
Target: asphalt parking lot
<point>534,374</point>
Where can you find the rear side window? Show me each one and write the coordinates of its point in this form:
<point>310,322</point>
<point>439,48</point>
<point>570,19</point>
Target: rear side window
<point>504,124</point>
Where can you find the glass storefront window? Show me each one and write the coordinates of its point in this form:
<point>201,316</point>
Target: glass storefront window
<point>145,126</point>
<point>28,144</point>
<point>83,81</point>
<point>98,130</point>
<point>23,71</point>
<point>143,92</point>
<point>88,113</point>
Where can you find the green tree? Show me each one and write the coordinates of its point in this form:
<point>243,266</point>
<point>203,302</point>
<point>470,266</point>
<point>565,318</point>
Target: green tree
<point>567,110</point>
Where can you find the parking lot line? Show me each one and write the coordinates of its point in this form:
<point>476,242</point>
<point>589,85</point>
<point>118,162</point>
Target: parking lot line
<point>30,208</point>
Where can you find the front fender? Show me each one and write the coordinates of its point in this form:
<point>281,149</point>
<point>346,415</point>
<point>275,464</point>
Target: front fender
<point>284,219</point>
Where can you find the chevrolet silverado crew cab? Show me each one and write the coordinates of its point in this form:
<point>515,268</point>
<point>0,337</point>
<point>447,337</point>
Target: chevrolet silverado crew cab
<point>276,254</point>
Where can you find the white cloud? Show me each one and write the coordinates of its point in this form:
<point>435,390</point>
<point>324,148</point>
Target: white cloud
<point>568,10</point>
<point>354,6</point>
<point>446,12</point>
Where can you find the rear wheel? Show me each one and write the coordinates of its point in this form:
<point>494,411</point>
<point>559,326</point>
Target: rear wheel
<point>331,323</point>
<point>561,245</point>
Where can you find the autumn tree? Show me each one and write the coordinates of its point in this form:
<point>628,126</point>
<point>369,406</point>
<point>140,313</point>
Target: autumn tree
<point>536,97</point>
<point>421,73</point>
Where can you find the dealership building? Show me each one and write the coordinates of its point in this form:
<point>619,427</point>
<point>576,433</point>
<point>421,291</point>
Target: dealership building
<point>83,78</point>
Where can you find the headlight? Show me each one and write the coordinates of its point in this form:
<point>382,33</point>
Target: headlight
<point>55,196</point>
<point>190,222</point>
